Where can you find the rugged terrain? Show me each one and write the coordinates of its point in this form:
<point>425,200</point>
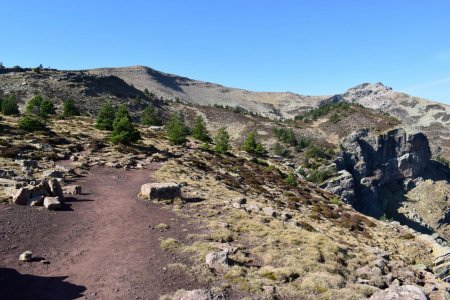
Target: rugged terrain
<point>347,202</point>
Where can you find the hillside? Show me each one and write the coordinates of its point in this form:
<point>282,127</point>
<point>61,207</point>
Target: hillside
<point>345,198</point>
<point>423,115</point>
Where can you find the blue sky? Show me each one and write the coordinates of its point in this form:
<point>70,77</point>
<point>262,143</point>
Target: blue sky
<point>308,47</point>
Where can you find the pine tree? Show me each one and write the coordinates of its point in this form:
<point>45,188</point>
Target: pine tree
<point>124,131</point>
<point>149,117</point>
<point>251,146</point>
<point>40,107</point>
<point>9,106</point>
<point>177,131</point>
<point>222,141</point>
<point>106,117</point>
<point>199,130</point>
<point>70,108</point>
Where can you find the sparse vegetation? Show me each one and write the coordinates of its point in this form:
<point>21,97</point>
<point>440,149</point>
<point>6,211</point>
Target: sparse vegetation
<point>323,110</point>
<point>291,180</point>
<point>30,123</point>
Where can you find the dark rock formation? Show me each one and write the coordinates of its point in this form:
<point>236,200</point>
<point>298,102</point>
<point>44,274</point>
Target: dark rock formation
<point>380,164</point>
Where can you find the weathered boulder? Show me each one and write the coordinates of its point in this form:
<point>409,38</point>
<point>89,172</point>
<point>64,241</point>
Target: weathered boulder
<point>27,256</point>
<point>217,259</point>
<point>52,203</point>
<point>72,190</point>
<point>21,196</point>
<point>162,190</point>
<point>405,292</point>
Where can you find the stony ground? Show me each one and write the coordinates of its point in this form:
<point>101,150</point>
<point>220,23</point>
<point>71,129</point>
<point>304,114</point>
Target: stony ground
<point>104,245</point>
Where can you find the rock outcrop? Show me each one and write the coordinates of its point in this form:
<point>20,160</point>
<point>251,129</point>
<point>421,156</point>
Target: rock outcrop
<point>376,164</point>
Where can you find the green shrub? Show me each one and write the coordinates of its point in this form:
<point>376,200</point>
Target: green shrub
<point>291,180</point>
<point>149,117</point>
<point>280,150</point>
<point>318,152</point>
<point>177,130</point>
<point>9,106</point>
<point>199,130</point>
<point>70,109</point>
<point>222,141</point>
<point>30,124</point>
<point>106,117</point>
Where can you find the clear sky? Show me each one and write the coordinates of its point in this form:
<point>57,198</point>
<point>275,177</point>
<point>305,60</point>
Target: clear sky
<point>308,47</point>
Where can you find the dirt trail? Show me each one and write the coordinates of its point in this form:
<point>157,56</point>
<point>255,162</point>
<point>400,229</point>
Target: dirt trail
<point>104,244</point>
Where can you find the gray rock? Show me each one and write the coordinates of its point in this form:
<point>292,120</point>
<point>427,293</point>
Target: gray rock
<point>22,196</point>
<point>217,259</point>
<point>342,185</point>
<point>52,203</point>
<point>163,190</point>
<point>27,256</point>
<point>405,292</point>
<point>72,189</point>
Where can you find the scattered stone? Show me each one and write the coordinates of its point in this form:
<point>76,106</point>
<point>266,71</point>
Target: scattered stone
<point>217,259</point>
<point>252,208</point>
<point>52,203</point>
<point>27,256</point>
<point>163,190</point>
<point>405,292</point>
<point>72,190</point>
<point>199,294</point>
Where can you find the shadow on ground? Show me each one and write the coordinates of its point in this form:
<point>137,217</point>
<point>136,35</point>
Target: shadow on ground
<point>14,285</point>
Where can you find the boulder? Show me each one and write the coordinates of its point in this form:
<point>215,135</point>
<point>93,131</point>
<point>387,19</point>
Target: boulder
<point>217,259</point>
<point>52,203</point>
<point>405,292</point>
<point>22,196</point>
<point>72,190</point>
<point>27,256</point>
<point>162,190</point>
<point>56,189</point>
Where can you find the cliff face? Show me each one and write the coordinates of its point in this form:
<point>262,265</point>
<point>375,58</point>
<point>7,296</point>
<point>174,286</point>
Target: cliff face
<point>380,165</point>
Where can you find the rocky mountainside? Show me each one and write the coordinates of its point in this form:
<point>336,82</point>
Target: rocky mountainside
<point>430,117</point>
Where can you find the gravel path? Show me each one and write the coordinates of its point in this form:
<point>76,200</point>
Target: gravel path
<point>102,247</point>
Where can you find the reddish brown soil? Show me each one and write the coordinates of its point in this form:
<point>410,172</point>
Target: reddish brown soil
<point>101,247</point>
